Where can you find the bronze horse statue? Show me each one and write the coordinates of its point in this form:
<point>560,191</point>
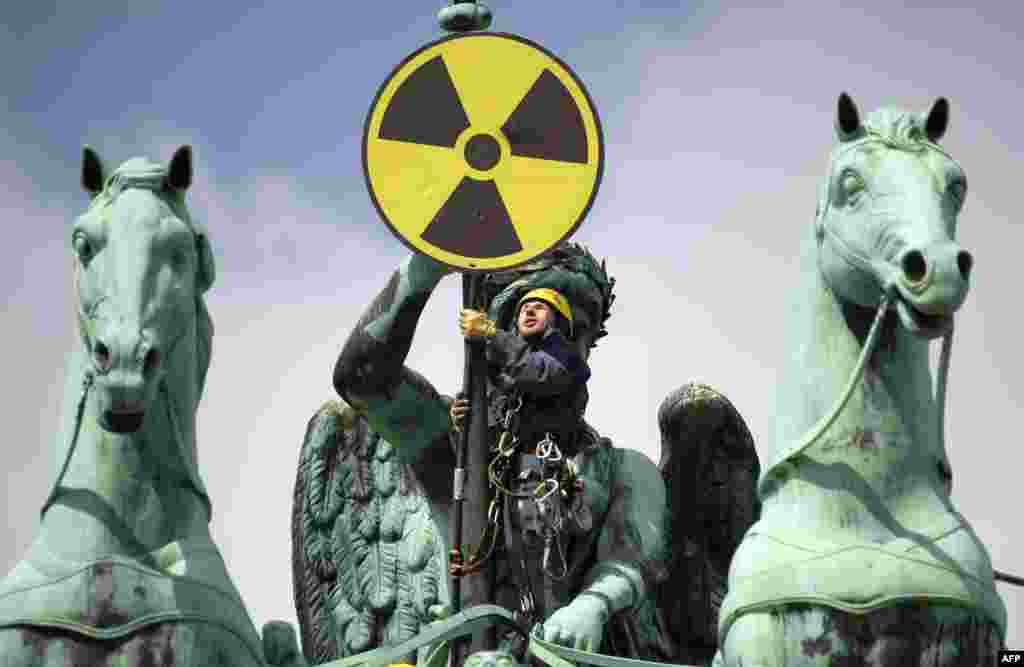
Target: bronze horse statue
<point>859,556</point>
<point>123,569</point>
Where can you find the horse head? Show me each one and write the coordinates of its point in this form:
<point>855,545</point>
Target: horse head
<point>140,269</point>
<point>887,215</point>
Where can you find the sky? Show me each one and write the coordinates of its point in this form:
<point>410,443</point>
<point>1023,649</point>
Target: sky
<point>717,121</point>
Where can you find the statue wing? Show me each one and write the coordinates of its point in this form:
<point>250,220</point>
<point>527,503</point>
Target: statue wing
<point>367,554</point>
<point>710,470</point>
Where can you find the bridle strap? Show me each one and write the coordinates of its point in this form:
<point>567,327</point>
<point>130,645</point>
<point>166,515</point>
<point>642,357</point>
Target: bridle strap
<point>819,429</point>
<point>87,382</point>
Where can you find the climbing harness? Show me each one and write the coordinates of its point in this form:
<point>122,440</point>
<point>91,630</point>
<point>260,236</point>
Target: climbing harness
<point>497,471</point>
<point>555,497</point>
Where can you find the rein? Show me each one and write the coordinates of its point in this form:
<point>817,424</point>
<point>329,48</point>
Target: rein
<point>814,434</point>
<point>88,380</point>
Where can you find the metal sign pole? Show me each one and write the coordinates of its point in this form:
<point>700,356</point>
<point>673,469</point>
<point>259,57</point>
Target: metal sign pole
<point>470,511</point>
<point>471,456</point>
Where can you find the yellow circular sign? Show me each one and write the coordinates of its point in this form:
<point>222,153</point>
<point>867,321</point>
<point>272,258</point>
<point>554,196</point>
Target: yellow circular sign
<point>482,150</point>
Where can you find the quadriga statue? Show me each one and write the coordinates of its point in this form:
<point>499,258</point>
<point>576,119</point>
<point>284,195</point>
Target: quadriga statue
<point>123,570</point>
<point>630,560</point>
<point>859,556</point>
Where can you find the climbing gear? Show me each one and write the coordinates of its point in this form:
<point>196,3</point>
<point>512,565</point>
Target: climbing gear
<point>550,297</point>
<point>458,566</point>
<point>555,495</point>
<point>497,471</point>
<point>528,613</point>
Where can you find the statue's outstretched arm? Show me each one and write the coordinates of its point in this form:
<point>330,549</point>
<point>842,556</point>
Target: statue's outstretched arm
<point>630,554</point>
<point>631,549</point>
<point>370,373</point>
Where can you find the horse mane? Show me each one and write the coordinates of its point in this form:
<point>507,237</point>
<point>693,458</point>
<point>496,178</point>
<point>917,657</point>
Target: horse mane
<point>897,128</point>
<point>795,408</point>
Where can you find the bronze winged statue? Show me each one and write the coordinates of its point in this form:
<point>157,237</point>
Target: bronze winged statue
<point>632,562</point>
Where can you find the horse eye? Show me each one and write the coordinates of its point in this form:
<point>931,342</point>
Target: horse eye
<point>850,188</point>
<point>851,183</point>
<point>82,247</point>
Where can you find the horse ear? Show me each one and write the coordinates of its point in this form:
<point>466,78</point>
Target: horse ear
<point>848,125</point>
<point>179,173</point>
<point>205,269</point>
<point>92,171</point>
<point>937,121</point>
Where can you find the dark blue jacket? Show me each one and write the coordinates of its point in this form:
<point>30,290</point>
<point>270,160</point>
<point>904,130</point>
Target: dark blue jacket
<point>549,373</point>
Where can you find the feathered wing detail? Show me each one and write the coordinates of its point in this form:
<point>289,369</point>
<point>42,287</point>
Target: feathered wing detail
<point>312,572</point>
<point>367,554</point>
<point>710,470</point>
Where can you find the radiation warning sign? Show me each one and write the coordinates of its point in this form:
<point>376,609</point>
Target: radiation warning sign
<point>482,150</point>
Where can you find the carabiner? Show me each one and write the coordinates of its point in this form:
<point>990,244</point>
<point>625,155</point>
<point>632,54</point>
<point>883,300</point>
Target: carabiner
<point>507,445</point>
<point>545,489</point>
<point>492,512</point>
<point>548,451</point>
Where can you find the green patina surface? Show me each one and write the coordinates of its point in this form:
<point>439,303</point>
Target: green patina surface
<point>123,570</point>
<point>860,557</point>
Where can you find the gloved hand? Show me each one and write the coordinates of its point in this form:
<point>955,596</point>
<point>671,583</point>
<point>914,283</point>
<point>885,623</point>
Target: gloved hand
<point>458,412</point>
<point>475,325</point>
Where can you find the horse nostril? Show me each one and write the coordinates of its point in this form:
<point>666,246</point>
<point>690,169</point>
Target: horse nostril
<point>914,266</point>
<point>150,361</point>
<point>102,355</point>
<point>964,262</point>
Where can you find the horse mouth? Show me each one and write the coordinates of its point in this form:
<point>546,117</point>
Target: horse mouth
<point>920,323</point>
<point>121,422</point>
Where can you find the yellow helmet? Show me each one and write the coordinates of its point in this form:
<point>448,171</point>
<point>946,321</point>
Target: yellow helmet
<point>550,297</point>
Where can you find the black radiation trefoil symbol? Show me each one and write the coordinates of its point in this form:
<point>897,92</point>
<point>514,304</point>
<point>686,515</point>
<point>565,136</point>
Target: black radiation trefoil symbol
<point>474,221</point>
